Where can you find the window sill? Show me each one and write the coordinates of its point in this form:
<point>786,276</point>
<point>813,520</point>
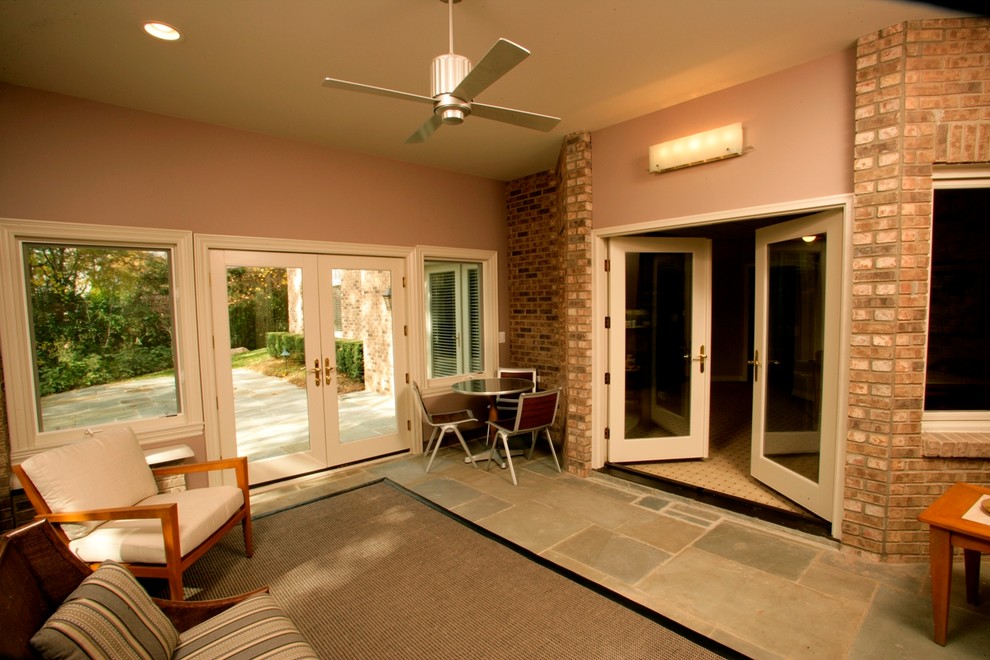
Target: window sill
<point>955,445</point>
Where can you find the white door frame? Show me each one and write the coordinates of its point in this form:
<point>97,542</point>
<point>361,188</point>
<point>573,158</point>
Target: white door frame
<point>203,244</point>
<point>599,309</point>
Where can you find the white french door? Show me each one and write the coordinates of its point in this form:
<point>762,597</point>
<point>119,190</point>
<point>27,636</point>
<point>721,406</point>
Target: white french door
<point>795,359</point>
<point>659,310</point>
<point>306,348</point>
<point>659,351</point>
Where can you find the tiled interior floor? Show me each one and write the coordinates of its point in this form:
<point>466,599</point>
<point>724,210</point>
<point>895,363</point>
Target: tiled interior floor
<point>727,469</point>
<point>764,590</point>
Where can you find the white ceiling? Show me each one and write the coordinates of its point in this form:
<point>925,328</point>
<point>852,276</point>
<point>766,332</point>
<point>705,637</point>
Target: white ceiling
<point>257,65</point>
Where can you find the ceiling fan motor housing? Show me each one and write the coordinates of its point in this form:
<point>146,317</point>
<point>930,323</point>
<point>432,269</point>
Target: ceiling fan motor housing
<point>448,72</point>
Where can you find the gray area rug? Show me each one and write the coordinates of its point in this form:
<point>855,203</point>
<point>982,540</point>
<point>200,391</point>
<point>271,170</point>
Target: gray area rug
<point>377,572</point>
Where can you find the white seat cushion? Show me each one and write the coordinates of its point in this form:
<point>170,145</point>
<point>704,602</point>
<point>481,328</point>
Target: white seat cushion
<point>107,470</point>
<point>201,512</point>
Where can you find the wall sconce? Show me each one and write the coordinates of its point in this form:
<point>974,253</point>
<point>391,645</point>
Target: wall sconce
<point>716,144</point>
<point>387,297</point>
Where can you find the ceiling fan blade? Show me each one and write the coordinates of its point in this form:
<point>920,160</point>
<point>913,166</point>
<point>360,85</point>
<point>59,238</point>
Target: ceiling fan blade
<point>333,83</point>
<point>516,117</point>
<point>424,132</point>
<point>496,63</point>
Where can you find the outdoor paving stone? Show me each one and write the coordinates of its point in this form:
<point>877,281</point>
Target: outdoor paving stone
<point>534,526</point>
<point>837,582</point>
<point>588,504</point>
<point>653,503</point>
<point>446,492</point>
<point>755,604</point>
<point>669,534</point>
<point>481,507</point>
<point>752,547</point>
<point>899,625</point>
<point>614,554</point>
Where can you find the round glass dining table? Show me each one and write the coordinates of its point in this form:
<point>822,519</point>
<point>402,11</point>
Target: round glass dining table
<point>491,388</point>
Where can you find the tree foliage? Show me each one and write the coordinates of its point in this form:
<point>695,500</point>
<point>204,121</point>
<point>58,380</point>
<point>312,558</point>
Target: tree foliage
<point>98,314</point>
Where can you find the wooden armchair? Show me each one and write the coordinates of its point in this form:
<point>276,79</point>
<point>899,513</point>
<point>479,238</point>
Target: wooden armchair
<point>38,574</point>
<point>105,503</point>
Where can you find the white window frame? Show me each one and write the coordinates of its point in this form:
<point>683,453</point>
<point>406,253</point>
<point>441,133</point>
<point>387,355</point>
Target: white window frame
<point>957,421</point>
<point>488,260</point>
<point>15,334</point>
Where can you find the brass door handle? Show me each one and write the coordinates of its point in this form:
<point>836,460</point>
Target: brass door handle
<point>316,371</point>
<point>327,370</point>
<point>701,358</point>
<point>756,365</point>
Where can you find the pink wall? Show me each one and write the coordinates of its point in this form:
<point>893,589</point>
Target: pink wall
<point>70,160</point>
<point>67,159</point>
<point>799,123</point>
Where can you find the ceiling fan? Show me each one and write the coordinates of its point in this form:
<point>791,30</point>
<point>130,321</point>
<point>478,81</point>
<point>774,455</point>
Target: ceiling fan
<point>456,83</point>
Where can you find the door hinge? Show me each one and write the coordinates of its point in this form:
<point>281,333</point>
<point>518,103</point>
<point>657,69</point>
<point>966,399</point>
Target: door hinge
<point>608,265</point>
<point>608,378</point>
<point>409,425</point>
<point>608,322</point>
<point>403,281</point>
<point>608,432</point>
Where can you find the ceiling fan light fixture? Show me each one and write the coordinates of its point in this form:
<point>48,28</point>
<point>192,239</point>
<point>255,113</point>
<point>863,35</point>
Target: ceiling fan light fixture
<point>452,116</point>
<point>162,31</point>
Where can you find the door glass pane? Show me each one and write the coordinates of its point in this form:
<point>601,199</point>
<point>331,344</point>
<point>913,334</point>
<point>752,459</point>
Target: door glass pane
<point>795,327</point>
<point>103,327</point>
<point>365,373</point>
<point>658,341</point>
<point>264,307</point>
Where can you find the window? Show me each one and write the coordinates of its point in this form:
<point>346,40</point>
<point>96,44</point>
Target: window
<point>453,319</point>
<point>458,303</point>
<point>957,378</point>
<point>97,334</point>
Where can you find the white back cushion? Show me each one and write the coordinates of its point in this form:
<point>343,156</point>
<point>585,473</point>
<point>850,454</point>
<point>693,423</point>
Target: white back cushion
<point>107,470</point>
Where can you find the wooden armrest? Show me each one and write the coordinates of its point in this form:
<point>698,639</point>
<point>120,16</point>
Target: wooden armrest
<point>168,514</point>
<point>185,614</point>
<point>161,511</point>
<point>239,465</point>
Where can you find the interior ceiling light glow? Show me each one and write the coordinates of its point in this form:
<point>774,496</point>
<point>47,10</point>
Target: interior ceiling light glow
<point>162,31</point>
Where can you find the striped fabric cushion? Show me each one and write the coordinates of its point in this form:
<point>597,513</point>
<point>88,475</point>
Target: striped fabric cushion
<point>109,615</point>
<point>254,628</point>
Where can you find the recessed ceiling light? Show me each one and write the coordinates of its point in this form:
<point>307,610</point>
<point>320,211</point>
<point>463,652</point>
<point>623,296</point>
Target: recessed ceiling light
<point>162,31</point>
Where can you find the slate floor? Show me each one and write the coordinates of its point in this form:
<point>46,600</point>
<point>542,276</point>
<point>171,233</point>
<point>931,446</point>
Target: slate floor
<point>761,589</point>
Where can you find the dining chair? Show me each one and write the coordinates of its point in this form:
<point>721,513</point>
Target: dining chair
<point>506,404</point>
<point>536,412</point>
<point>443,423</point>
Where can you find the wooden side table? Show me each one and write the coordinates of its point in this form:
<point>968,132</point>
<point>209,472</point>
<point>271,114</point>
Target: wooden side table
<point>950,530</point>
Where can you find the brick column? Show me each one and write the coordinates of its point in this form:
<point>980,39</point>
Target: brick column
<point>922,99</point>
<point>576,212</point>
<point>548,219</point>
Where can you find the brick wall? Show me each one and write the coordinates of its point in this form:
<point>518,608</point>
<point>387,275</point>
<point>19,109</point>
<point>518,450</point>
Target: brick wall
<point>922,99</point>
<point>365,316</point>
<point>549,275</point>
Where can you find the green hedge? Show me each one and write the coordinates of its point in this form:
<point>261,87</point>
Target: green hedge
<point>290,341</point>
<point>350,358</point>
<point>350,352</point>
